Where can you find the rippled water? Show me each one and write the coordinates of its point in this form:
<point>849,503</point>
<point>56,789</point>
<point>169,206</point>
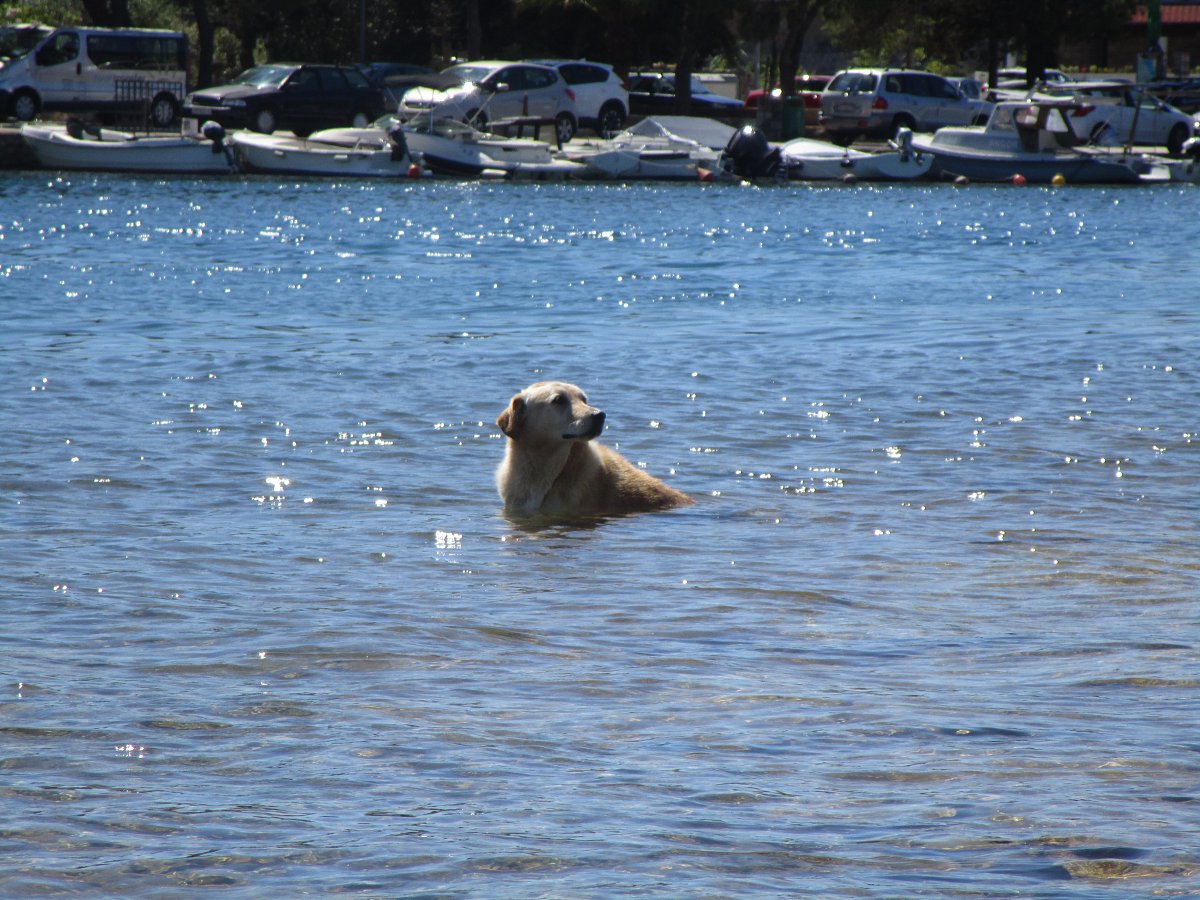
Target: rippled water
<point>931,627</point>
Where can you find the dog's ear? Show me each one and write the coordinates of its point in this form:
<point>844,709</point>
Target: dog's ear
<point>511,419</point>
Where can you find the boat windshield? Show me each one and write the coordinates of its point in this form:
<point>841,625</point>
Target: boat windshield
<point>265,76</point>
<point>17,40</point>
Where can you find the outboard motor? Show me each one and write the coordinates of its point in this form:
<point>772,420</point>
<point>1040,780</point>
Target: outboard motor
<point>1191,147</point>
<point>399,143</point>
<point>213,131</point>
<point>903,143</point>
<point>751,154</point>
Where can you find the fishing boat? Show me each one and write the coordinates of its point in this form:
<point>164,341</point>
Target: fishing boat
<point>76,146</point>
<point>806,159</point>
<point>1032,139</point>
<point>339,152</point>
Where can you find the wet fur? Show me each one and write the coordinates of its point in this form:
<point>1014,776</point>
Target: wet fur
<point>552,466</point>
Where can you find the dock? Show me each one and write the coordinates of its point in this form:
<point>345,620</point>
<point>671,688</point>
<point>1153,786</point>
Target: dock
<point>13,152</point>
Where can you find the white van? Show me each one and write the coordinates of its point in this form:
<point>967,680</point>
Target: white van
<point>98,69</point>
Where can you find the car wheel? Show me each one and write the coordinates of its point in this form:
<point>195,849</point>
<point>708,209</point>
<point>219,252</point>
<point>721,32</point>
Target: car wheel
<point>564,127</point>
<point>360,120</point>
<point>611,119</point>
<point>264,121</point>
<point>25,105</point>
<point>1176,138</point>
<point>164,110</point>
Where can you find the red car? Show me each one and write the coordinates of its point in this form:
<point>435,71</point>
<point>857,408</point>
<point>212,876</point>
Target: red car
<point>807,86</point>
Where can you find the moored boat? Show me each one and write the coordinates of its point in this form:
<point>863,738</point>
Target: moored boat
<point>75,146</point>
<point>1032,139</point>
<point>356,153</point>
<point>660,148</point>
<point>450,147</point>
<point>806,159</point>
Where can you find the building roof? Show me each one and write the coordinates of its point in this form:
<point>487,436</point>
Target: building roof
<point>1185,12</point>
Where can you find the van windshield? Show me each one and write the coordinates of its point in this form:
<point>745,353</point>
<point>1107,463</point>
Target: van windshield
<point>17,40</point>
<point>852,83</point>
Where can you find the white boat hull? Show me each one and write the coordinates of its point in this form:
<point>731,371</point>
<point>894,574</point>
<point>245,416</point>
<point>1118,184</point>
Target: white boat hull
<point>114,151</point>
<point>289,155</point>
<point>811,160</point>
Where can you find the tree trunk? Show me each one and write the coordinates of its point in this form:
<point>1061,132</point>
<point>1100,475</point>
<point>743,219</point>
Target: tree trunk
<point>686,64</point>
<point>205,44</point>
<point>474,30</point>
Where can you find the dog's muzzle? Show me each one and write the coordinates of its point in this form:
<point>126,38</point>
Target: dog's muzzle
<point>590,428</point>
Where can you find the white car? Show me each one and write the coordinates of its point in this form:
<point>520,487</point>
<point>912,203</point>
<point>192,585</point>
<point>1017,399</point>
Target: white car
<point>601,100</point>
<point>495,89</point>
<point>879,102</point>
<point>1111,109</point>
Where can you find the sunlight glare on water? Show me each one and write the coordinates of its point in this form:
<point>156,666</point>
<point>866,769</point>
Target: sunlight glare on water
<point>930,627</point>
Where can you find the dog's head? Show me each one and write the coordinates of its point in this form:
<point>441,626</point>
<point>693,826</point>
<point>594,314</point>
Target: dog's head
<point>551,411</point>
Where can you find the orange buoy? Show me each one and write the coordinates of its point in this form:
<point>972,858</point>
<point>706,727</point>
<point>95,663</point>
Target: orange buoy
<point>1059,180</point>
<point>706,176</point>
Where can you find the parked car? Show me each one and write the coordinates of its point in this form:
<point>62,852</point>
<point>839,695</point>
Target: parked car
<point>808,88</point>
<point>1012,84</point>
<point>878,102</point>
<point>1020,77</point>
<point>1113,107</point>
<point>297,97</point>
<point>653,93</point>
<point>601,100</point>
<point>969,87</point>
<point>396,78</point>
<point>495,89</point>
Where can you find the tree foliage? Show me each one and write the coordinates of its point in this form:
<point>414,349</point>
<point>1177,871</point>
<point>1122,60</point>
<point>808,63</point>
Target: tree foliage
<point>230,34</point>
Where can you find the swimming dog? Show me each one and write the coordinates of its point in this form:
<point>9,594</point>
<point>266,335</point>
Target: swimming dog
<point>553,466</point>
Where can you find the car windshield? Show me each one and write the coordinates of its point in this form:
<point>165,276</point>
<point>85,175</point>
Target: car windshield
<point>852,83</point>
<point>16,42</point>
<point>467,73</point>
<point>265,76</point>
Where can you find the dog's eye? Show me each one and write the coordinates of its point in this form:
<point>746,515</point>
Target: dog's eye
<point>559,399</point>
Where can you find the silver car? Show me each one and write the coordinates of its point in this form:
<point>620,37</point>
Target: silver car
<point>878,102</point>
<point>495,89</point>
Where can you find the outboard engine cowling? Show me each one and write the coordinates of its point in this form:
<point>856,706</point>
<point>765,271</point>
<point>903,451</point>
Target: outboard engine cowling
<point>215,132</point>
<point>399,143</point>
<point>750,154</point>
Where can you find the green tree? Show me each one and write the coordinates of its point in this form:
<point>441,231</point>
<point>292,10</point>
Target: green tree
<point>783,24</point>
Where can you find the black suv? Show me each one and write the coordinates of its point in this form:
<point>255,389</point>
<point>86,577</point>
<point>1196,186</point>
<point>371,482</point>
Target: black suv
<point>302,98</point>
